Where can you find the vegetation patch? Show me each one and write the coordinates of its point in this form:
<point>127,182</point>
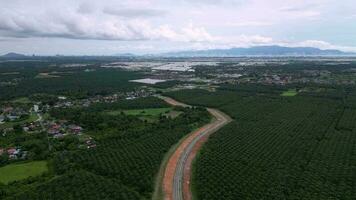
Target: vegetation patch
<point>277,148</point>
<point>16,172</point>
<point>46,75</point>
<point>22,100</point>
<point>290,93</point>
<point>148,114</point>
<point>31,118</point>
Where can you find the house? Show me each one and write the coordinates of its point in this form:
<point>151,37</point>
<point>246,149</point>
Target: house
<point>7,109</point>
<point>53,131</point>
<point>2,118</point>
<point>55,126</point>
<point>62,98</point>
<point>91,146</point>
<point>75,129</point>
<point>58,135</point>
<point>36,108</point>
<point>12,117</point>
<point>13,153</point>
<point>130,98</point>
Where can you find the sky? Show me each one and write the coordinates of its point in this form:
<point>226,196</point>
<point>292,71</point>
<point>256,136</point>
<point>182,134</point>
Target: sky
<point>109,27</point>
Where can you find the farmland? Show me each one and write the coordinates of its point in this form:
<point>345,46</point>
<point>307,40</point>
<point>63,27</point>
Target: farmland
<point>16,172</point>
<point>289,93</point>
<point>277,148</point>
<point>147,112</point>
<point>126,159</point>
<point>103,136</point>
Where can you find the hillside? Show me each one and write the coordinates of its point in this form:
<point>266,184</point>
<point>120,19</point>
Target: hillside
<point>259,51</point>
<point>13,55</point>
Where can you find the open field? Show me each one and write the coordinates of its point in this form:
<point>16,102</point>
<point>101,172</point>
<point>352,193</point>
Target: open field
<point>23,100</point>
<point>31,118</point>
<point>16,172</point>
<point>153,112</point>
<point>148,81</point>
<point>148,112</point>
<point>46,75</point>
<point>289,93</point>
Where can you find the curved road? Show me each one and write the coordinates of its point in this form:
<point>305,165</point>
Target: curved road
<point>177,175</point>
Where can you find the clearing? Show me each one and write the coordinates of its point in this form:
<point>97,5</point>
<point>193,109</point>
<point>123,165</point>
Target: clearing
<point>22,100</point>
<point>149,114</point>
<point>142,112</point>
<point>33,117</point>
<point>289,93</point>
<point>46,75</point>
<point>15,172</point>
<point>148,81</point>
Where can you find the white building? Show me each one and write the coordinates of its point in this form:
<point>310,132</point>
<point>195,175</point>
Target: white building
<point>36,108</point>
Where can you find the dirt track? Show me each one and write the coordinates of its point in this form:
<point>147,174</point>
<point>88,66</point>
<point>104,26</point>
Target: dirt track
<point>177,175</point>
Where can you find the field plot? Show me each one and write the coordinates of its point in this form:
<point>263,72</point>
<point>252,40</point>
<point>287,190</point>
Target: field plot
<point>277,148</point>
<point>31,118</point>
<point>347,120</point>
<point>15,172</point>
<point>148,81</point>
<point>23,100</point>
<point>289,93</point>
<point>148,113</point>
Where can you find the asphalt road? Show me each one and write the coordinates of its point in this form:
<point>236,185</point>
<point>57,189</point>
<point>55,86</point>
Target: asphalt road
<point>176,185</point>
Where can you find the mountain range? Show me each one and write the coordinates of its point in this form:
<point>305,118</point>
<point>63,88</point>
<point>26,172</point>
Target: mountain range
<point>13,55</point>
<point>233,52</point>
<point>259,51</point>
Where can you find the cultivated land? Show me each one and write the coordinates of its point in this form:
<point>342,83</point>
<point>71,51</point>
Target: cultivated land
<point>114,157</point>
<point>277,147</point>
<point>290,93</point>
<point>16,172</point>
<point>104,137</point>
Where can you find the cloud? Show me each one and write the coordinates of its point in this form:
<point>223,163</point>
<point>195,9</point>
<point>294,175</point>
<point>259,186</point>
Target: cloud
<point>134,13</point>
<point>248,40</point>
<point>85,23</point>
<point>213,2</point>
<point>163,24</point>
<point>248,23</point>
<point>299,7</point>
<point>232,41</point>
<point>86,8</point>
<point>324,45</point>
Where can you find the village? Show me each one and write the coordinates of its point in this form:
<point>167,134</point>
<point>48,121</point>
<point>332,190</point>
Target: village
<point>18,118</point>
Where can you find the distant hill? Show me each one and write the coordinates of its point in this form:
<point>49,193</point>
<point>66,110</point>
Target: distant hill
<point>259,51</point>
<point>124,55</point>
<point>13,55</point>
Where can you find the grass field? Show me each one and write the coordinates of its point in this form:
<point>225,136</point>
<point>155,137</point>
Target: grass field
<point>148,114</point>
<point>15,172</point>
<point>289,93</point>
<point>142,112</point>
<point>23,100</point>
<point>33,117</point>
